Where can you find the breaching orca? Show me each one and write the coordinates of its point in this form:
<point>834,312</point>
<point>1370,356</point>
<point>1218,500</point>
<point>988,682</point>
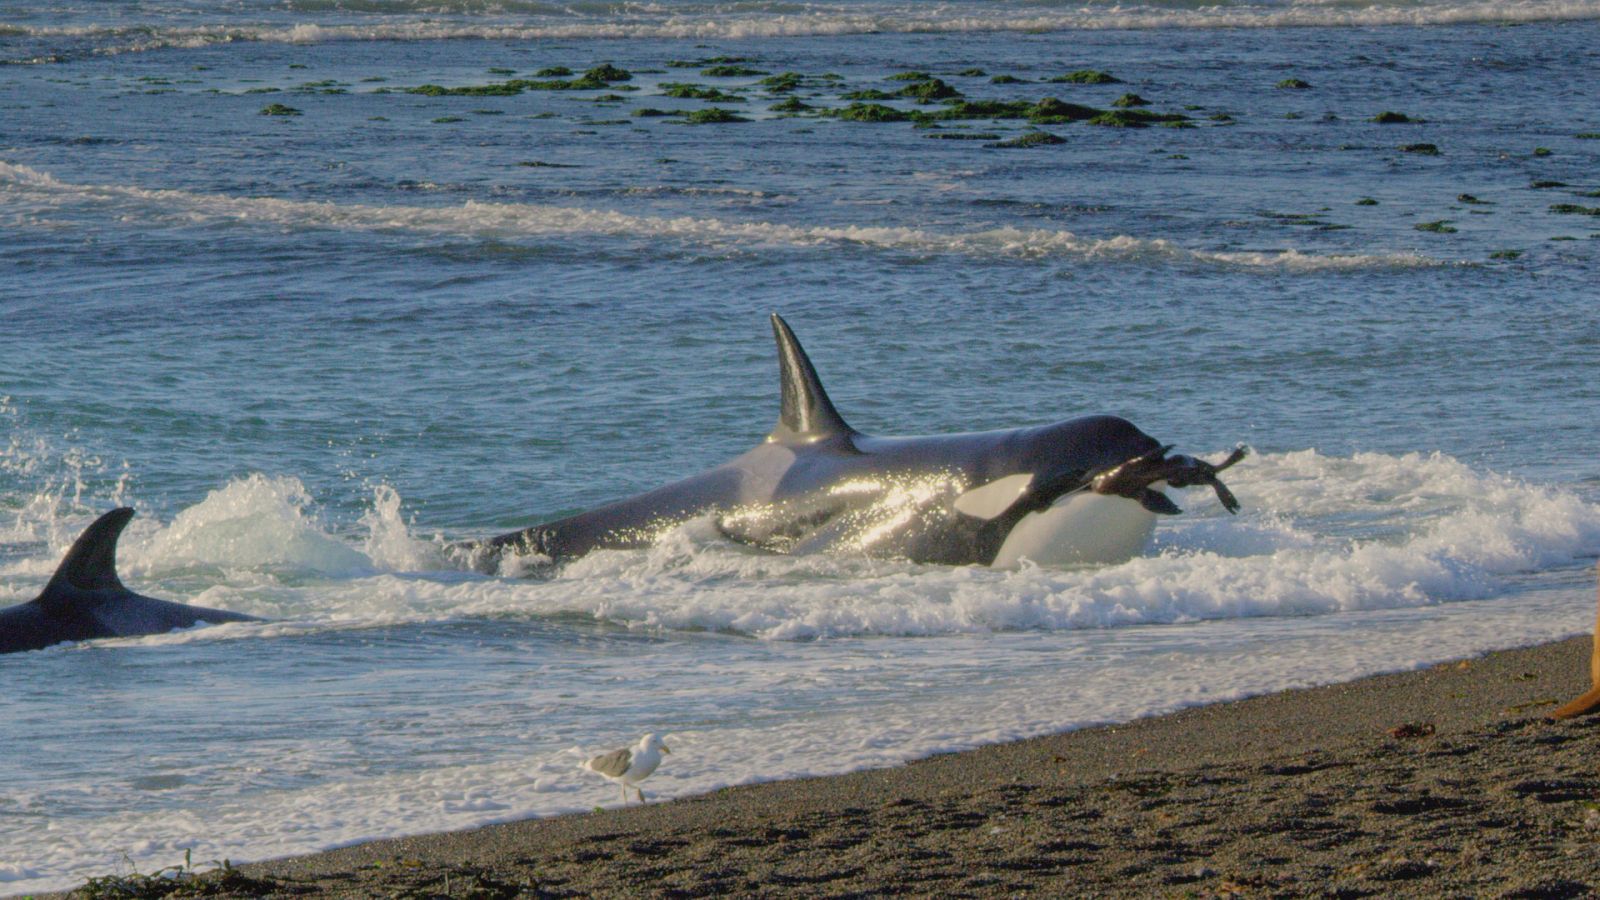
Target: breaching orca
<point>85,599</point>
<point>1080,491</point>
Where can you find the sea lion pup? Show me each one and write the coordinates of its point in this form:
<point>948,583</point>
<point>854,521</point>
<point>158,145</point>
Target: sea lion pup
<point>1590,701</point>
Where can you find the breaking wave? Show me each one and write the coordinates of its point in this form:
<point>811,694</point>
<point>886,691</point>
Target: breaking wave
<point>38,198</point>
<point>1319,535</point>
<point>426,20</point>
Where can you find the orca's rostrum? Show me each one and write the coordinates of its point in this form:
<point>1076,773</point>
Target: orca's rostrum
<point>1080,491</point>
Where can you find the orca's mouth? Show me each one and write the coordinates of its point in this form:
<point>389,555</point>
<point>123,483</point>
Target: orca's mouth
<point>1133,479</point>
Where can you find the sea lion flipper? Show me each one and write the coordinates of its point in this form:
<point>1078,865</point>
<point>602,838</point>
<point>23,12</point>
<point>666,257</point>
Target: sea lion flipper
<point>1581,706</point>
<point>1590,701</point>
<point>1158,503</point>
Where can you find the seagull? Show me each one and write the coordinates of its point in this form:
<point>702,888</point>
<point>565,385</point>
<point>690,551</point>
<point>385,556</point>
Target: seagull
<point>630,765</point>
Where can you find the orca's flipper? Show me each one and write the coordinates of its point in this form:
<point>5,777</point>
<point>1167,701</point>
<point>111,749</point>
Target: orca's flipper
<point>91,564</point>
<point>807,414</point>
<point>1590,701</point>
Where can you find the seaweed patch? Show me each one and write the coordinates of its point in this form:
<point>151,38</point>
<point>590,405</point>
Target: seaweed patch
<point>1086,76</point>
<point>1029,139</point>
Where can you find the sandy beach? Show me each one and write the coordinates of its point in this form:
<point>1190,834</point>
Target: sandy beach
<point>1444,781</point>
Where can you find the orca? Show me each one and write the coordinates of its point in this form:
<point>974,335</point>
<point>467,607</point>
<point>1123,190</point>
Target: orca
<point>1075,492</point>
<point>86,600</point>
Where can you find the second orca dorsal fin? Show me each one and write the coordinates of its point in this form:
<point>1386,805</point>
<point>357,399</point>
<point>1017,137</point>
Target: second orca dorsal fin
<point>91,564</point>
<point>807,414</point>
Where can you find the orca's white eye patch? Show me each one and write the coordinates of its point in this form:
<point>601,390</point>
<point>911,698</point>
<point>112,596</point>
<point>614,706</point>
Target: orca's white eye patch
<point>994,498</point>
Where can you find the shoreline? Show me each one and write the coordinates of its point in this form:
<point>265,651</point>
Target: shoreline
<point>1448,778</point>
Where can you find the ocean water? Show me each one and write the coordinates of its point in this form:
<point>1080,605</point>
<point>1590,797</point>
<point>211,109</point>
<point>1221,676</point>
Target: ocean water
<point>314,349</point>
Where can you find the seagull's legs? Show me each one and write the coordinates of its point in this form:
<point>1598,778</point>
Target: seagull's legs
<point>641,794</point>
<point>624,792</point>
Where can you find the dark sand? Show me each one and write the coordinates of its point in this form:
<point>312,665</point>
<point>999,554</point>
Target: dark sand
<point>1443,782</point>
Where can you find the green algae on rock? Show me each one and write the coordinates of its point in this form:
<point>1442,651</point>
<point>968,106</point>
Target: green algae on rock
<point>1294,84</point>
<point>1129,100</point>
<point>911,76</point>
<point>553,72</point>
<point>278,109</point>
<point>867,94</point>
<point>482,90</point>
<point>782,83</point>
<point>713,115</point>
<point>1393,118</point>
<point>1442,226</point>
<point>1050,111</point>
<point>868,112</point>
<point>1135,118</point>
<point>608,73</point>
<point>1471,200</point>
<point>730,72</point>
<point>1366,201</point>
<point>985,109</point>
<point>1506,254</point>
<point>1424,149</point>
<point>791,105</point>
<point>1007,79</point>
<point>1085,76</point>
<point>929,91</point>
<point>963,136</point>
<point>688,91</point>
<point>1029,139</point>
<point>1573,209</point>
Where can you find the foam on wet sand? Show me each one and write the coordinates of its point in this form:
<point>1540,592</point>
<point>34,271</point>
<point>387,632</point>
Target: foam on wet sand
<point>1448,779</point>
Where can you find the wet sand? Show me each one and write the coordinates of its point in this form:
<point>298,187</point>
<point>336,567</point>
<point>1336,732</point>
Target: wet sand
<point>1444,781</point>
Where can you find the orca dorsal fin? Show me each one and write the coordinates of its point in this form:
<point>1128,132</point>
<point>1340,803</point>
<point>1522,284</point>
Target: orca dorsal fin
<point>807,414</point>
<point>91,564</point>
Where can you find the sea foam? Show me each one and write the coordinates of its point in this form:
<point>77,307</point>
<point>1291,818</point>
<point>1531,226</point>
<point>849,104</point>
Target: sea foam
<point>431,21</point>
<point>1318,535</point>
<point>41,200</point>
<point>1337,567</point>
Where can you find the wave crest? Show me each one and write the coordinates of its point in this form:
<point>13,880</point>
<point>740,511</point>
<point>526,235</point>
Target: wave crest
<point>38,198</point>
<point>426,20</point>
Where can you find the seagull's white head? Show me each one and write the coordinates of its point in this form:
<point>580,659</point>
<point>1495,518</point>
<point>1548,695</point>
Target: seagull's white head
<point>653,742</point>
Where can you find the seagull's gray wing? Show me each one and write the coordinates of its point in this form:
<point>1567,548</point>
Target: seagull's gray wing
<point>613,764</point>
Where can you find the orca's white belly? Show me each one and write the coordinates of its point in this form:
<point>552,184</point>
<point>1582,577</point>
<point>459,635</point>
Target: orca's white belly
<point>1081,528</point>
